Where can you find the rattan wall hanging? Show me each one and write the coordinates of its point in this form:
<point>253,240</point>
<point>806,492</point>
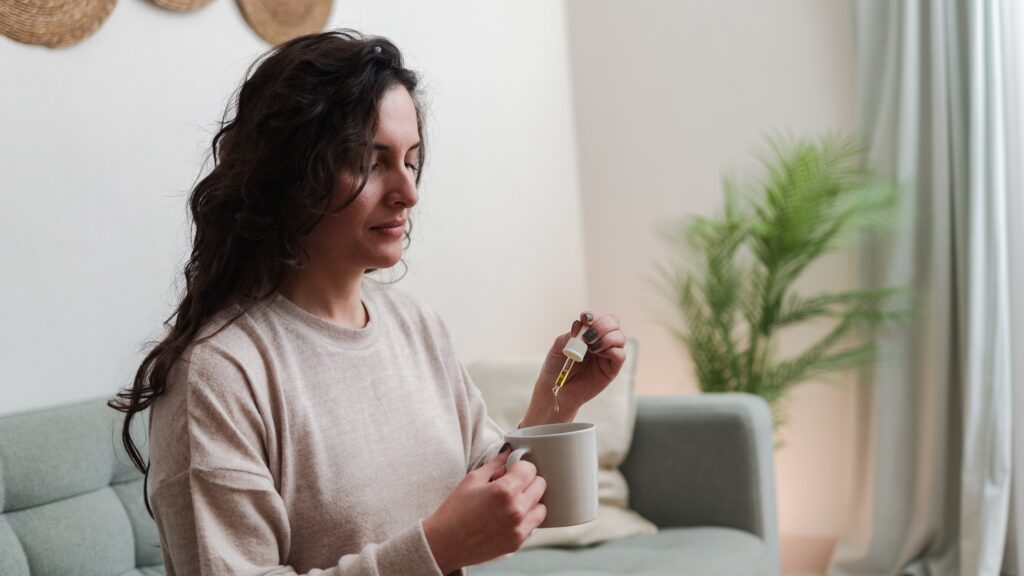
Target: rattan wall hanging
<point>60,23</point>
<point>53,23</point>
<point>278,21</point>
<point>181,5</point>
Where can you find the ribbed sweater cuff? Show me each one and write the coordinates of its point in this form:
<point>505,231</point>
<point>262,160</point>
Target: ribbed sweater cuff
<point>408,552</point>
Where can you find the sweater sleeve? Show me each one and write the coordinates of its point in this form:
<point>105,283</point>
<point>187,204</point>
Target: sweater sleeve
<point>487,437</point>
<point>222,514</point>
<point>482,435</point>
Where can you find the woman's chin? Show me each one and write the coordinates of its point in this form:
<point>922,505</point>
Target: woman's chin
<point>388,261</point>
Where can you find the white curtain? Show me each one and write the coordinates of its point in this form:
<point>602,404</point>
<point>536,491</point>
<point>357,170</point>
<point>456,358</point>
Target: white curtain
<point>940,107</point>
<point>1012,31</point>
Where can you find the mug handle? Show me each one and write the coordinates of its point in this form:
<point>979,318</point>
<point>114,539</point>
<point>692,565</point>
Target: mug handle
<point>515,456</point>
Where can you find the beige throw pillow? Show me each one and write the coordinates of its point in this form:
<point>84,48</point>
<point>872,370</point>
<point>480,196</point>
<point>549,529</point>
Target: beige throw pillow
<point>507,385</point>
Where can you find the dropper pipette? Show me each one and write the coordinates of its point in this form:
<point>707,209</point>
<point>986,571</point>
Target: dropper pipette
<point>575,349</point>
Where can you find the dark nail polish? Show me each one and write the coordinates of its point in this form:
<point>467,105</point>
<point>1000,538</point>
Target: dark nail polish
<point>589,335</point>
<point>507,446</point>
<point>594,346</point>
<point>590,317</point>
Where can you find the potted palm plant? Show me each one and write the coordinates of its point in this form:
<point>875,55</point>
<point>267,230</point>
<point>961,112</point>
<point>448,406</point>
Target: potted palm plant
<point>733,280</point>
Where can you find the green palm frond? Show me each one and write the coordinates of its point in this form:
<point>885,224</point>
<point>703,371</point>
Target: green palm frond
<point>733,282</point>
<point>874,305</point>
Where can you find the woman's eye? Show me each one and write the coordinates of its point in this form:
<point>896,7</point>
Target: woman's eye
<point>413,167</point>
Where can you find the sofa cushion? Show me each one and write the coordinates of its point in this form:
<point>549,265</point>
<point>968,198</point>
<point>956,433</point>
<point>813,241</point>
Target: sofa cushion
<point>507,387</point>
<point>32,444</point>
<point>70,501</point>
<point>672,551</point>
<point>89,534</point>
<point>12,557</point>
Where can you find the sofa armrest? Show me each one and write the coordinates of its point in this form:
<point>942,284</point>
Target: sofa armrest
<point>704,460</point>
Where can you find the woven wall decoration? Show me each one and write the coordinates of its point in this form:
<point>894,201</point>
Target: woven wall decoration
<point>52,23</point>
<point>181,5</point>
<point>277,21</point>
<point>59,23</point>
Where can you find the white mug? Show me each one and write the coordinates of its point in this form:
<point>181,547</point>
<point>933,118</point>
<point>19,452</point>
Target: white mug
<point>566,457</point>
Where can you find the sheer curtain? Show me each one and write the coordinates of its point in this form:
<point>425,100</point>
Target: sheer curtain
<point>940,107</point>
<point>1012,31</point>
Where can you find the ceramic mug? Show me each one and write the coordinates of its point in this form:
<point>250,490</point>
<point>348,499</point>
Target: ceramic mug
<point>566,457</point>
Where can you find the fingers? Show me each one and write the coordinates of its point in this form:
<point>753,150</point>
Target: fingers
<point>500,460</point>
<point>494,468</point>
<point>601,334</point>
<point>527,489</point>
<point>536,515</point>
<point>586,319</point>
<point>519,476</point>
<point>536,512</point>
<point>607,341</point>
<point>576,325</point>
<point>616,354</point>
<point>534,492</point>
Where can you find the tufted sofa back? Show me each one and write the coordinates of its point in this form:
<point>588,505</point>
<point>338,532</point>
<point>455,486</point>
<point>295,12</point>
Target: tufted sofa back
<point>70,500</point>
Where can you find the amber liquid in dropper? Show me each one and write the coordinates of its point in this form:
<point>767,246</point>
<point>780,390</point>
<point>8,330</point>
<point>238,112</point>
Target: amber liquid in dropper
<point>560,381</point>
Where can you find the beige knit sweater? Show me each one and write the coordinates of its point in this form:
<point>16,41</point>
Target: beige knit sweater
<point>288,444</point>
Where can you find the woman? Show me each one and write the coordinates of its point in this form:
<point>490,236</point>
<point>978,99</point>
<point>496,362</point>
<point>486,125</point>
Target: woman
<point>305,417</point>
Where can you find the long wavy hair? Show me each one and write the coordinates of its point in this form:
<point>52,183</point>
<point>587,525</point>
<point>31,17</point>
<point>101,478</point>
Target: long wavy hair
<point>307,110</point>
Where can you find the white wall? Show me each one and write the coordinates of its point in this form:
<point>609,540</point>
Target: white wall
<point>100,143</point>
<point>669,96</point>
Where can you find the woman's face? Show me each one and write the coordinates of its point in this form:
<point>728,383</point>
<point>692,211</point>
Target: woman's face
<point>368,232</point>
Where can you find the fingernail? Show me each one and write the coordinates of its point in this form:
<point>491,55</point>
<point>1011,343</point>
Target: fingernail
<point>507,446</point>
<point>590,317</point>
<point>594,346</point>
<point>589,335</point>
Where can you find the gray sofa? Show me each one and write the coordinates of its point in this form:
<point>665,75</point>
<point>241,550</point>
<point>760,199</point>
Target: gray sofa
<point>700,467</point>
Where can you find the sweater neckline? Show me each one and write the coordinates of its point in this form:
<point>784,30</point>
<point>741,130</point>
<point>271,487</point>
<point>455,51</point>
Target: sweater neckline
<point>333,333</point>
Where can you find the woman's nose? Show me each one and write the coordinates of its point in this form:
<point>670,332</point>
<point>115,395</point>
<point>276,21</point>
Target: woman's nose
<point>403,188</point>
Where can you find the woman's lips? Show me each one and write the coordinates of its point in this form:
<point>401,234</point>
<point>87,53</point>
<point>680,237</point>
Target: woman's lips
<point>393,229</point>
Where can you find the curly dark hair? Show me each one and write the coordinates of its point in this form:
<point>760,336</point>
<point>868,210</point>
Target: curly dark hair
<point>307,110</point>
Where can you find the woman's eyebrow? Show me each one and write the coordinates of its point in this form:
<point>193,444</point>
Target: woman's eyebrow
<point>386,148</point>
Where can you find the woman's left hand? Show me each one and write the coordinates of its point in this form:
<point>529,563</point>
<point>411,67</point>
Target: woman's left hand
<point>587,379</point>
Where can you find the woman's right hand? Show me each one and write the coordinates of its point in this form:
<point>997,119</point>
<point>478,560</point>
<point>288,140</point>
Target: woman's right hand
<point>489,514</point>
